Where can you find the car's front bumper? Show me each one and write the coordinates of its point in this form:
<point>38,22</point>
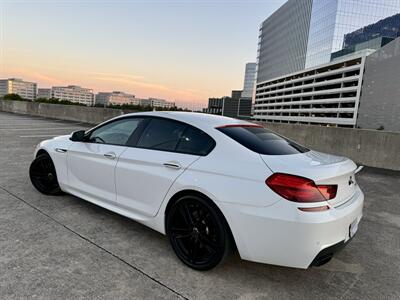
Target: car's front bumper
<point>281,234</point>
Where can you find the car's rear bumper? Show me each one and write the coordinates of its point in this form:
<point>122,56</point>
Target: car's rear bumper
<point>281,234</point>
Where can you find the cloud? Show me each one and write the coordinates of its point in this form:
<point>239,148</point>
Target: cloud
<point>111,75</point>
<point>96,80</point>
<point>135,80</point>
<point>46,78</point>
<point>28,74</point>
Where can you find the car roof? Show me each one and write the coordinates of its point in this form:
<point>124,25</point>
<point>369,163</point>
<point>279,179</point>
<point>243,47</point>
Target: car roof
<point>200,120</point>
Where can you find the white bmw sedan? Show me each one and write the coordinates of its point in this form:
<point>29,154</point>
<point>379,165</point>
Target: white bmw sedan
<point>211,184</point>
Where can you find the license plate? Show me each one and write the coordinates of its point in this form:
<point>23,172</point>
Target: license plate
<point>353,227</point>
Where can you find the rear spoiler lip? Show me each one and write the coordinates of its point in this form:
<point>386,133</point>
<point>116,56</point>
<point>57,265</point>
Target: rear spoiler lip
<point>239,125</point>
<point>358,169</point>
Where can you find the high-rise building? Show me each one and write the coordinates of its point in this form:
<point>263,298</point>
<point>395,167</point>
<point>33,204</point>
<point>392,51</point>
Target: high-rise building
<point>234,106</point>
<point>114,98</point>
<point>73,93</point>
<point>216,105</point>
<point>332,20</point>
<point>363,48</point>
<point>282,42</point>
<point>370,38</point>
<point>44,93</point>
<point>249,80</point>
<point>326,85</point>
<point>303,33</point>
<point>388,28</point>
<point>25,89</point>
<point>236,94</point>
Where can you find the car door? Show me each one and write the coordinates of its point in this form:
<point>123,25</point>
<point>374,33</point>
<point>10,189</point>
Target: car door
<point>147,170</point>
<point>91,164</point>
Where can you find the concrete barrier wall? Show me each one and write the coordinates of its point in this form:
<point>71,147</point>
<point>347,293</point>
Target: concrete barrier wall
<point>372,148</point>
<point>84,114</point>
<point>367,147</point>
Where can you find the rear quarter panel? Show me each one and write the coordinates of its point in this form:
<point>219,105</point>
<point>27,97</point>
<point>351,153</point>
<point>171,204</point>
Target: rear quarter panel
<point>230,173</point>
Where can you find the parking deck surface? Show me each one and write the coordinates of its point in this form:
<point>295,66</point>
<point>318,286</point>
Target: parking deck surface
<point>64,247</point>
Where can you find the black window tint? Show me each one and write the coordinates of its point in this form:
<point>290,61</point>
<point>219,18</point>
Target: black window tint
<point>194,141</point>
<point>115,133</point>
<point>162,134</point>
<point>262,141</point>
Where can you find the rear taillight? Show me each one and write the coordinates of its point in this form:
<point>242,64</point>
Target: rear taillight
<point>328,191</point>
<point>300,189</point>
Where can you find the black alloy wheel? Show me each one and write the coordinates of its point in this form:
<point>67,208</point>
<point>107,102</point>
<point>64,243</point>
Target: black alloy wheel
<point>43,175</point>
<point>198,232</point>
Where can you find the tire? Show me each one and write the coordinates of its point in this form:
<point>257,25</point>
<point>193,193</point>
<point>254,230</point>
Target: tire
<point>43,175</point>
<point>198,232</point>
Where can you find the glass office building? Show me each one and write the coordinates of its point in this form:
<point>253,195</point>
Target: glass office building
<point>386,28</point>
<point>282,45</point>
<point>332,21</point>
<point>249,79</point>
<point>304,33</point>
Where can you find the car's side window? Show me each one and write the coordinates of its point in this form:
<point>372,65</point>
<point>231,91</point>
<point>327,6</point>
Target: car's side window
<point>115,133</point>
<point>162,134</point>
<point>194,141</point>
<point>170,135</point>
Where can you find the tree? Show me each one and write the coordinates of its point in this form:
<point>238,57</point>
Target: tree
<point>14,97</point>
<point>57,101</point>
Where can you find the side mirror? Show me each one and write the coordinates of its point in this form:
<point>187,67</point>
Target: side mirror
<point>78,136</point>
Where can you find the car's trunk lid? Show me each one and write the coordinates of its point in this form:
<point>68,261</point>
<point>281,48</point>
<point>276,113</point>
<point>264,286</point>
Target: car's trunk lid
<point>320,167</point>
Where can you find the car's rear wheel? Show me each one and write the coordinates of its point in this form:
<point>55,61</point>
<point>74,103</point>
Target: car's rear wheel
<point>198,232</point>
<point>43,175</point>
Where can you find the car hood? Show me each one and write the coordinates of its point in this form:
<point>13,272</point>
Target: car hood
<point>62,137</point>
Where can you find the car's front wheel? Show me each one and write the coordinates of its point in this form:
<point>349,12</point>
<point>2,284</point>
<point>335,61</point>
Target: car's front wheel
<point>43,175</point>
<point>198,232</point>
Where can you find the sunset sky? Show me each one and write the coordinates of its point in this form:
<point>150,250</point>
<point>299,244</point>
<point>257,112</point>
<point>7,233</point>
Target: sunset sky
<point>185,51</point>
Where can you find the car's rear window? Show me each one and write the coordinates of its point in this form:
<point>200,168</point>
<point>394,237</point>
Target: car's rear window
<point>261,140</point>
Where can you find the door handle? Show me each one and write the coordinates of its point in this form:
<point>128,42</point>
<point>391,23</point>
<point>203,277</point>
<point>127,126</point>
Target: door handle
<point>110,155</point>
<point>60,150</point>
<point>173,165</point>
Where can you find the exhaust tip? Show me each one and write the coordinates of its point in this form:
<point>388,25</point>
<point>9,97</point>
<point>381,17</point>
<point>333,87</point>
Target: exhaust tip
<point>322,260</point>
<point>325,255</point>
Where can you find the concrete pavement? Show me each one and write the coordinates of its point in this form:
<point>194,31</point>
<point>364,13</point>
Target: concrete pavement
<point>64,247</point>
